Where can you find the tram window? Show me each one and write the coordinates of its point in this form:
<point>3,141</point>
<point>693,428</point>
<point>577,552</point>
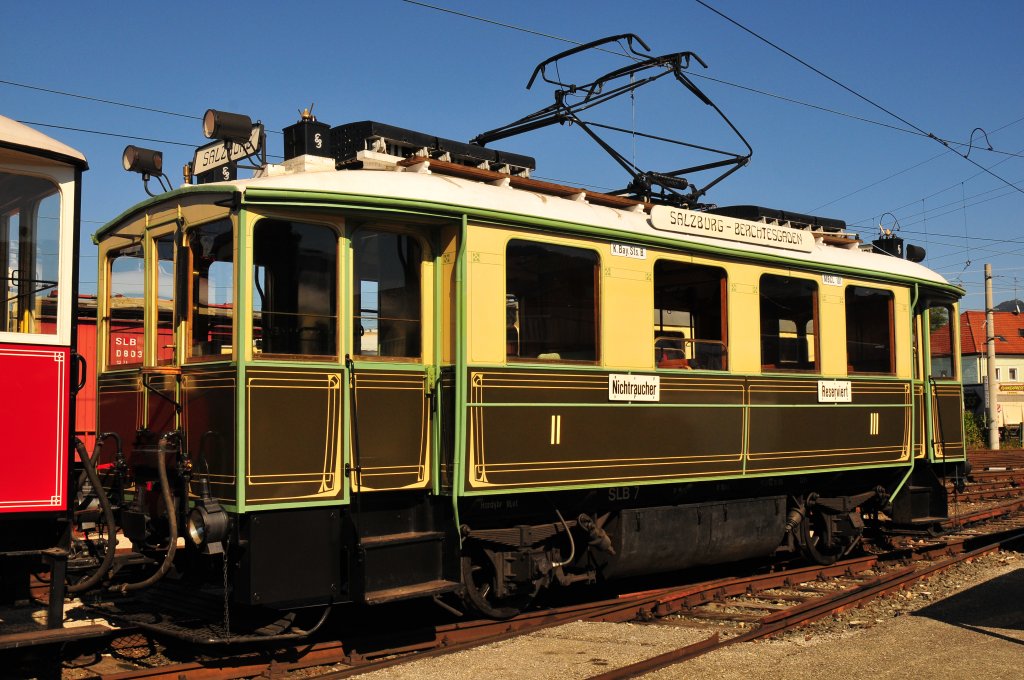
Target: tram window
<point>295,289</point>
<point>212,301</point>
<point>789,308</point>
<point>942,323</point>
<point>869,330</point>
<point>165,299</point>
<point>689,316</point>
<point>126,308</point>
<point>386,294</point>
<point>29,245</point>
<point>551,305</point>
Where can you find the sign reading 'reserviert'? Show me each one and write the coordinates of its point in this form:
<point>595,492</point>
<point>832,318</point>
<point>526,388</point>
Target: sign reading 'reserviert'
<point>622,387</point>
<point>835,392</point>
<point>681,221</point>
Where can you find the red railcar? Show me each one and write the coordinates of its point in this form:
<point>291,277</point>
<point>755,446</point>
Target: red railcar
<point>40,185</point>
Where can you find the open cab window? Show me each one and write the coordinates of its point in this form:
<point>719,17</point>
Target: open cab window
<point>551,303</point>
<point>870,347</point>
<point>211,290</point>
<point>689,316</point>
<point>942,323</point>
<point>386,294</point>
<point>126,307</point>
<point>295,289</point>
<point>789,312</point>
<point>165,280</point>
<point>29,244</point>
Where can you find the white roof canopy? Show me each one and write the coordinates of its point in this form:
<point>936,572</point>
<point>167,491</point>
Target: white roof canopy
<point>15,134</point>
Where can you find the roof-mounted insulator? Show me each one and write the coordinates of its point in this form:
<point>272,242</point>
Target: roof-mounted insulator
<point>307,137</point>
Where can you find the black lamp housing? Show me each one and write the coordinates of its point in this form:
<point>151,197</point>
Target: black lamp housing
<point>144,161</point>
<point>230,127</point>
<point>208,523</point>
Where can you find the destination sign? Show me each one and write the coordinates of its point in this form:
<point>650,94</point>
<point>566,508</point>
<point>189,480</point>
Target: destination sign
<point>681,221</point>
<point>215,155</point>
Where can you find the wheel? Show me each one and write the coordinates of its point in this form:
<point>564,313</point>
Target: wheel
<point>479,577</point>
<point>817,541</point>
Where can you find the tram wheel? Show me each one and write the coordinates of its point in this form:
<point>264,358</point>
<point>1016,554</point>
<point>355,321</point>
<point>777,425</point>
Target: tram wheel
<point>817,541</point>
<point>480,579</point>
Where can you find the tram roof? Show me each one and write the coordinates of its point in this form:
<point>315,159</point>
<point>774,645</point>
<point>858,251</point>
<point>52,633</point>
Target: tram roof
<point>21,137</point>
<point>449,193</point>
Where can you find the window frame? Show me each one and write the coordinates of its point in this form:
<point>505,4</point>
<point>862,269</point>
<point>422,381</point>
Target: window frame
<point>597,301</point>
<point>189,290</point>
<point>338,291</point>
<point>347,302</point>
<point>723,311</point>
<point>952,324</point>
<point>153,306</point>
<point>63,179</point>
<point>108,290</point>
<point>815,319</point>
<point>891,316</point>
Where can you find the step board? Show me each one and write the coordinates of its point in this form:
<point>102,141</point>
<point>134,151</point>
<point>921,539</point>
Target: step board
<point>427,589</point>
<point>403,565</point>
<point>35,638</point>
<point>387,540</point>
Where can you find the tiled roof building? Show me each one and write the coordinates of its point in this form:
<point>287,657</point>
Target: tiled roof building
<point>1009,335</point>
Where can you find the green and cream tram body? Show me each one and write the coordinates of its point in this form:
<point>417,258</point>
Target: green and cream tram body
<point>396,375</point>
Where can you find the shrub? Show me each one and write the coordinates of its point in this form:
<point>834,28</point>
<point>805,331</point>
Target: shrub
<point>972,432</point>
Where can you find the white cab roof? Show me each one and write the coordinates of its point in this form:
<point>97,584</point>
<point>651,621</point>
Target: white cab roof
<point>15,134</point>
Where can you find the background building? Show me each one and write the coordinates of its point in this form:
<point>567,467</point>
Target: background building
<point>1009,335</point>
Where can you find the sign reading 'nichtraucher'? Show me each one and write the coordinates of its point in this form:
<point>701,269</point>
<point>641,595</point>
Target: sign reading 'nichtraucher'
<point>622,387</point>
<point>727,228</point>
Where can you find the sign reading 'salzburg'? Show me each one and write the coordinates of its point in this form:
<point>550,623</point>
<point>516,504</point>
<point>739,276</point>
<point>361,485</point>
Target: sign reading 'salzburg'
<point>682,221</point>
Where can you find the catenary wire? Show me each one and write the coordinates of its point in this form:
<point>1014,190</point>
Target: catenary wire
<point>765,93</point>
<point>854,92</point>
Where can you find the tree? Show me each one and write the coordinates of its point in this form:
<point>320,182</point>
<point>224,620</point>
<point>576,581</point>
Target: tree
<point>938,317</point>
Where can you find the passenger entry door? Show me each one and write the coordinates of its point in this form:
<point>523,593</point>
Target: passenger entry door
<point>391,356</point>
<point>944,404</point>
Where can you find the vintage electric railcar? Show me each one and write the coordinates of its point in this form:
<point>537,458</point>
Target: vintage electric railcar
<point>390,368</point>
<point>40,181</point>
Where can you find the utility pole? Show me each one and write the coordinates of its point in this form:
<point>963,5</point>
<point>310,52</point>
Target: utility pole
<point>990,336</point>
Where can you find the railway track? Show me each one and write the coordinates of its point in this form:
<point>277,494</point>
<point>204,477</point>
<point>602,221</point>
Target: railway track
<point>744,609</point>
<point>741,601</point>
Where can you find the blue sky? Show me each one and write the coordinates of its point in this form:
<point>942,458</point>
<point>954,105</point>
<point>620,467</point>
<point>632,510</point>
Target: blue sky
<point>946,67</point>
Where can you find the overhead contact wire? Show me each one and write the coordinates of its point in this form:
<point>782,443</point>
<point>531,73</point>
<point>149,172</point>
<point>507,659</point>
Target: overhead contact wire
<point>855,93</point>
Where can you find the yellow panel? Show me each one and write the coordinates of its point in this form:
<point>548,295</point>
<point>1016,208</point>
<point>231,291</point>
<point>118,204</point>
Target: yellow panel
<point>627,297</point>
<point>955,321</point>
<point>901,324</point>
<point>449,293</point>
<point>904,353</point>
<point>485,249</point>
<point>427,286</point>
<point>831,329</point>
<point>628,274</point>
<point>744,318</point>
